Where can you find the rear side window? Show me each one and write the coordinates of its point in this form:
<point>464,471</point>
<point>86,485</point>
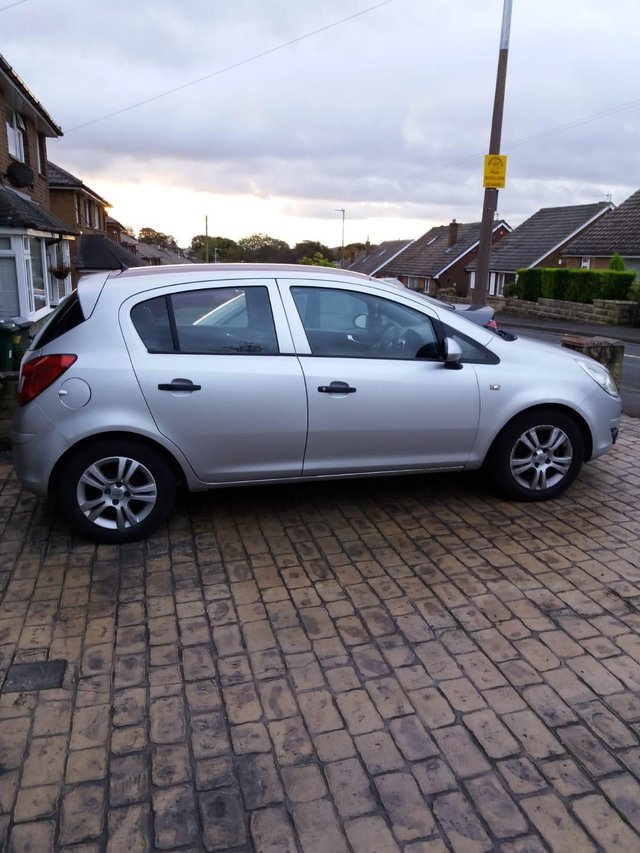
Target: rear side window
<point>151,319</point>
<point>215,321</point>
<point>66,316</point>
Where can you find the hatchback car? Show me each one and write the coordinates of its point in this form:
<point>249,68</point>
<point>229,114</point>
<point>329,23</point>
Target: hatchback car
<point>200,377</point>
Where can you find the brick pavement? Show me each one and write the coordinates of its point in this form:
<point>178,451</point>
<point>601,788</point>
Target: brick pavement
<point>407,664</point>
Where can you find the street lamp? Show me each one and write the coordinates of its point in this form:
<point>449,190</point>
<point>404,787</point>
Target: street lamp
<point>342,211</point>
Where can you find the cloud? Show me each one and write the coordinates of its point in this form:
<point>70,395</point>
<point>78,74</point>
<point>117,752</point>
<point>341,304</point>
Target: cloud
<point>387,113</point>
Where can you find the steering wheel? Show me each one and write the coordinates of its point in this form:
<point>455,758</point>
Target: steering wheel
<point>388,337</point>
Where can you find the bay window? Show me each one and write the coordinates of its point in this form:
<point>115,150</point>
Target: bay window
<point>28,288</point>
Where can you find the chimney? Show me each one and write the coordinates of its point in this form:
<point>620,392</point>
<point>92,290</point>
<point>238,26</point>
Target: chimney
<point>453,232</point>
<point>367,248</point>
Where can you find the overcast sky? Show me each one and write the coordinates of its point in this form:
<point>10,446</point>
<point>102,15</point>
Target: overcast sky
<point>304,107</point>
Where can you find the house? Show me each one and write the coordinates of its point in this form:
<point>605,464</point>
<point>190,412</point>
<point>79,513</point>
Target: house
<point>81,207</point>
<point>76,203</point>
<point>150,254</point>
<point>34,242</point>
<point>154,255</point>
<point>372,260</point>
<point>440,257</point>
<point>616,233</point>
<point>539,242</point>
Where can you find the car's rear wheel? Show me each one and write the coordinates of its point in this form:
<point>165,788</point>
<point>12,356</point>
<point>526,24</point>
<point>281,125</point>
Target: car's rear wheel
<point>116,490</point>
<point>537,456</point>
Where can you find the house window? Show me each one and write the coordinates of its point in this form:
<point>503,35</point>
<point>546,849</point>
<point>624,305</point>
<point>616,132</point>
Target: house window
<point>58,259</point>
<point>16,131</point>
<point>36,274</point>
<point>96,216</point>
<point>27,289</point>
<point>41,149</point>
<point>585,263</point>
<point>9,304</point>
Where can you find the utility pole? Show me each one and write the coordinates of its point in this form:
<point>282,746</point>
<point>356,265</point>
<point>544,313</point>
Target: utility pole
<point>342,211</point>
<point>206,239</point>
<point>491,193</point>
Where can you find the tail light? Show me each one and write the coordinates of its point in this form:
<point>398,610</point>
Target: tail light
<point>39,373</point>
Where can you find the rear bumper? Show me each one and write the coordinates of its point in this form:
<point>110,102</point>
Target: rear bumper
<point>37,445</point>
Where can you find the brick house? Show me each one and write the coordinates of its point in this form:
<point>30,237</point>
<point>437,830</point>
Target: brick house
<point>34,242</point>
<point>82,208</point>
<point>440,257</point>
<point>616,233</point>
<point>539,242</point>
<point>76,203</point>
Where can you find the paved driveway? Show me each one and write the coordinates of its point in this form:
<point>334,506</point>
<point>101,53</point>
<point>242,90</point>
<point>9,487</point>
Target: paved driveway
<point>372,666</point>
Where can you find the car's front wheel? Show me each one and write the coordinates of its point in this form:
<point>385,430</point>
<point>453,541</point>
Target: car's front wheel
<point>116,491</point>
<point>537,456</point>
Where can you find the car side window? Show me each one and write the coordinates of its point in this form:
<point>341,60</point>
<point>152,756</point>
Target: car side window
<point>472,352</point>
<point>215,321</point>
<point>347,323</point>
<point>151,320</point>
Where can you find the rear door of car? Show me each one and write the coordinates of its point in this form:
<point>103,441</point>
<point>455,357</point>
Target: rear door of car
<point>216,365</point>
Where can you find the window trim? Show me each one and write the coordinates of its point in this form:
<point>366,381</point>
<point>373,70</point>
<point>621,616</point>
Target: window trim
<point>179,347</point>
<point>369,299</point>
<point>16,135</point>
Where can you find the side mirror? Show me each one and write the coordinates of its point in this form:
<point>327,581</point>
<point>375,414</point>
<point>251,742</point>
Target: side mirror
<point>452,355</point>
<point>361,321</point>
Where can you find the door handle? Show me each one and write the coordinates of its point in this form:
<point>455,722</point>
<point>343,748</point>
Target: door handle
<point>336,388</point>
<point>179,385</point>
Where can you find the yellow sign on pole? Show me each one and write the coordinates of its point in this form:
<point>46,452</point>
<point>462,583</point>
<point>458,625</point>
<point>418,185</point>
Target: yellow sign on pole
<point>495,171</point>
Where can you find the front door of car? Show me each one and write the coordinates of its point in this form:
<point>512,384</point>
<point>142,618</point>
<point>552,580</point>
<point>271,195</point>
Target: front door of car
<point>210,365</point>
<point>379,397</point>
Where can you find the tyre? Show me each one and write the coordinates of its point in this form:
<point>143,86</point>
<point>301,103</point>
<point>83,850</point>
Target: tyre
<point>537,456</point>
<point>116,490</point>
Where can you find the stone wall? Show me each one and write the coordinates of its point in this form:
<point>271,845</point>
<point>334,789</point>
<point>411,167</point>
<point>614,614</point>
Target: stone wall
<point>604,312</point>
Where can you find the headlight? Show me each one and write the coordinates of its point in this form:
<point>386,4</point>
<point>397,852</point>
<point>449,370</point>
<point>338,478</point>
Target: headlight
<point>600,375</point>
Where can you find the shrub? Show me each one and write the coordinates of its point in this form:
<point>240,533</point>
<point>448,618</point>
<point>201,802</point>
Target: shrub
<point>616,263</point>
<point>529,284</point>
<point>573,285</point>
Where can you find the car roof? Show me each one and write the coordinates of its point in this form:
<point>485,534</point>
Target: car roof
<point>122,284</point>
<point>187,271</point>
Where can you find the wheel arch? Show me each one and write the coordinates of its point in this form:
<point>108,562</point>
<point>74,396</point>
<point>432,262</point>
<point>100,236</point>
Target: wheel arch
<point>579,421</point>
<point>54,479</point>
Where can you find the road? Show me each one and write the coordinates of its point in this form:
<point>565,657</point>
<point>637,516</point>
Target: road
<point>630,387</point>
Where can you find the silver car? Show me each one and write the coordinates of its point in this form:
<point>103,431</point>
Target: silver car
<point>199,377</point>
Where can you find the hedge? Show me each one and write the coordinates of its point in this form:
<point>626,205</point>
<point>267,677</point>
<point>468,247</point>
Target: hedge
<point>572,285</point>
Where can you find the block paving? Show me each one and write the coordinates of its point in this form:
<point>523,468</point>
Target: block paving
<point>378,665</point>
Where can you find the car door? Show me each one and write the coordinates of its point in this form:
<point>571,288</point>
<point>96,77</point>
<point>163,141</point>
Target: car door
<point>380,398</point>
<point>216,366</point>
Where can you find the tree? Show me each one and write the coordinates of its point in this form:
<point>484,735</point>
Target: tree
<point>150,235</point>
<point>617,263</point>
<point>221,249</point>
<point>317,260</point>
<point>260,248</point>
<point>309,248</point>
